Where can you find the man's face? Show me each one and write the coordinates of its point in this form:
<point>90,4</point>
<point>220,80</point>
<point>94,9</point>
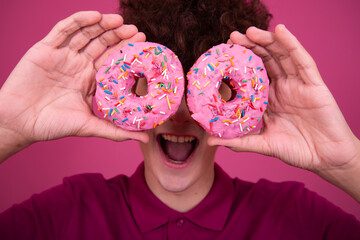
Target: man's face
<point>177,157</point>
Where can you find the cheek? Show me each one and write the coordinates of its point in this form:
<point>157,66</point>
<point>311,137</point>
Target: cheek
<point>140,87</point>
<point>149,149</point>
<point>226,90</point>
<point>205,153</point>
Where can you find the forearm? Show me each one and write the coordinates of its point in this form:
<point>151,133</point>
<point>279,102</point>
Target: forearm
<point>346,177</point>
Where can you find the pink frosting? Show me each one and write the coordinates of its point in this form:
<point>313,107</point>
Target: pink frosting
<point>247,74</point>
<point>118,74</point>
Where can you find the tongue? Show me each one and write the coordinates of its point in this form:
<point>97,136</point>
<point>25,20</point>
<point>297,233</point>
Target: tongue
<point>177,151</point>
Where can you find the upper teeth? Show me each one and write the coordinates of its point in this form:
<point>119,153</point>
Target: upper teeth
<point>179,139</point>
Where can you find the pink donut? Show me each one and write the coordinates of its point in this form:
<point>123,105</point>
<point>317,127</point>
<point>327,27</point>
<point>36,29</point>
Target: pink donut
<point>245,73</point>
<point>115,80</point>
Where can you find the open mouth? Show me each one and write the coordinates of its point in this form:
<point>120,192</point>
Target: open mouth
<point>177,148</point>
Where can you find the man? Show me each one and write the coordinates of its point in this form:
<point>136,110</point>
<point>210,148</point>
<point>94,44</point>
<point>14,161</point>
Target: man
<point>188,184</point>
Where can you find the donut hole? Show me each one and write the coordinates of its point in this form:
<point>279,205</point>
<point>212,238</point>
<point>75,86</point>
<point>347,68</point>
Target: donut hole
<point>226,90</point>
<point>140,87</point>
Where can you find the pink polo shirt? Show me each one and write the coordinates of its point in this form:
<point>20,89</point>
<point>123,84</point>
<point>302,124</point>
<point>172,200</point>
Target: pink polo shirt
<point>87,206</point>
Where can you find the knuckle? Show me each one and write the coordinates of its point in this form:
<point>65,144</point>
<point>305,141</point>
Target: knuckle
<point>103,40</point>
<point>64,26</point>
<point>86,33</point>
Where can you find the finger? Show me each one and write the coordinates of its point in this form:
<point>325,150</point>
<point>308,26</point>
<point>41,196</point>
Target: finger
<point>97,127</point>
<point>229,41</point>
<point>273,68</point>
<point>301,58</point>
<point>138,37</point>
<point>109,38</point>
<point>63,29</point>
<point>269,41</point>
<point>248,143</point>
<point>84,35</point>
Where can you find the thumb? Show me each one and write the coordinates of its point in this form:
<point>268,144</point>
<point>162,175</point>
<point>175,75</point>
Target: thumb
<point>248,143</point>
<point>97,127</point>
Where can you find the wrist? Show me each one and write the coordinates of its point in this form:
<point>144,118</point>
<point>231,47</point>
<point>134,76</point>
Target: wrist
<point>347,176</point>
<point>11,143</point>
<point>11,139</point>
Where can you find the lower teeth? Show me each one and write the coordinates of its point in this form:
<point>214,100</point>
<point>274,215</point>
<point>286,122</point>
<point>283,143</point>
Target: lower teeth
<point>177,162</point>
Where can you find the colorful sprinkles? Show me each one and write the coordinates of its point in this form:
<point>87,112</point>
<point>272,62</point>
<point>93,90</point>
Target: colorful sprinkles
<point>246,77</point>
<point>122,69</point>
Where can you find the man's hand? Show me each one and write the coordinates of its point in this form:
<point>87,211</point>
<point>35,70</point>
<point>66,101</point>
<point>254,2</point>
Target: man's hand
<point>302,125</point>
<point>49,93</point>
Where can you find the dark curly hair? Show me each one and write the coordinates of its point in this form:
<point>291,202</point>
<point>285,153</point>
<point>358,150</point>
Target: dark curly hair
<point>190,27</point>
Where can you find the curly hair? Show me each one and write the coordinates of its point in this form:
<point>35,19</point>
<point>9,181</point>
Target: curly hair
<point>190,27</point>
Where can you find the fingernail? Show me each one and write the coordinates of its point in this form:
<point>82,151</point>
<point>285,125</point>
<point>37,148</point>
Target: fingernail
<point>283,27</point>
<point>235,34</point>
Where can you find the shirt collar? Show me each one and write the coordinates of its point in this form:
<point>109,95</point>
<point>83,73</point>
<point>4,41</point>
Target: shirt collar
<point>150,213</point>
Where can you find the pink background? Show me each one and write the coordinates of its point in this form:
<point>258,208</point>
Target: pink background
<point>328,29</point>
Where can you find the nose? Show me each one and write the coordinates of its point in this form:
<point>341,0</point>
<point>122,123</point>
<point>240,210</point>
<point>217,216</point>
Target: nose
<point>182,115</point>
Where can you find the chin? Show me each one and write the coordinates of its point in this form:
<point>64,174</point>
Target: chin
<point>175,184</point>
